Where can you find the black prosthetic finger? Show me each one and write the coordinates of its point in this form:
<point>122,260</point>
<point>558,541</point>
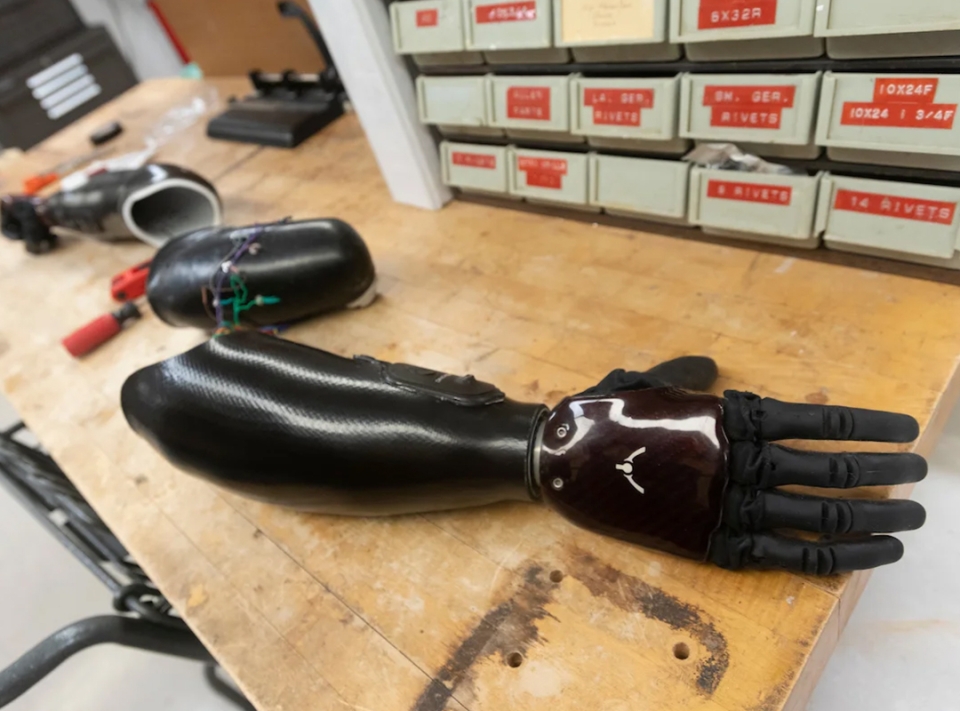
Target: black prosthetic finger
<point>767,465</point>
<point>766,550</point>
<point>688,373</point>
<point>748,510</point>
<point>749,417</point>
<point>620,380</point>
<point>697,373</point>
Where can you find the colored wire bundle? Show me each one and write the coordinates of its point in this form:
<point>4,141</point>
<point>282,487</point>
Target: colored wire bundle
<point>228,289</point>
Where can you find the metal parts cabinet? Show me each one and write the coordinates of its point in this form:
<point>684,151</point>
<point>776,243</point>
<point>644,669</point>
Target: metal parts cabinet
<point>537,108</point>
<point>718,30</point>
<point>455,105</point>
<point>550,177</point>
<point>512,31</point>
<point>768,114</point>
<point>905,221</point>
<point>889,28</point>
<point>632,114</point>
<point>432,31</point>
<point>635,31</point>
<point>475,167</point>
<point>904,120</point>
<point>780,209</point>
<point>640,187</point>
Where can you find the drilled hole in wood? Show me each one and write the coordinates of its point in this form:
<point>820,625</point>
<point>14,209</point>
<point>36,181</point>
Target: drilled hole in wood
<point>681,651</point>
<point>556,576</point>
<point>515,659</point>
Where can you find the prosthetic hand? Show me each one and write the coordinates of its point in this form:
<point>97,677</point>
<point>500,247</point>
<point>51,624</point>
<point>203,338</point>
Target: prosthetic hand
<point>154,203</point>
<point>633,458</point>
<point>260,276</point>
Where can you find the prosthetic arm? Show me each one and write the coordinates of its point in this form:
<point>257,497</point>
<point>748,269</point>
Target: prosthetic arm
<point>634,458</point>
<point>154,203</point>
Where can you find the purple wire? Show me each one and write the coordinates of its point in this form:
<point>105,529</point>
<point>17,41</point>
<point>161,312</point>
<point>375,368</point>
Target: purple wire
<point>232,259</point>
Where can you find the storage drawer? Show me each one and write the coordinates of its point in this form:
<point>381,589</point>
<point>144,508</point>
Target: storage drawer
<point>892,120</point>
<point>455,104</point>
<point>654,189</point>
<point>433,30</point>
<point>716,30</point>
<point>887,28</point>
<point>905,221</point>
<point>634,31</point>
<point>549,176</point>
<point>537,107</point>
<point>642,111</point>
<point>511,31</point>
<point>759,112</point>
<point>770,208</point>
<point>474,167</point>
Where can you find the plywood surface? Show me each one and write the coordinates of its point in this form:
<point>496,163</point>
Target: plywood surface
<point>424,612</point>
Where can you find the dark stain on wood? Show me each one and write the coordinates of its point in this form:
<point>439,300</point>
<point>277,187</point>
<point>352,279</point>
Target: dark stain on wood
<point>509,627</point>
<point>774,699</point>
<point>634,595</point>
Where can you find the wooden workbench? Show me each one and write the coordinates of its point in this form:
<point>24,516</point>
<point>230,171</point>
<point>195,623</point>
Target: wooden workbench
<point>427,612</point>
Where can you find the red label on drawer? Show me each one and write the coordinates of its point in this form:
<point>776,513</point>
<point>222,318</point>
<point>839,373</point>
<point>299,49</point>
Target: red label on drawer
<point>749,95</point>
<point>746,117</point>
<point>543,172</point>
<point>897,90</point>
<point>634,98</point>
<point>528,102</point>
<point>613,115</point>
<point>941,213</point>
<point>428,18</point>
<point>544,179</point>
<point>506,12</point>
<point>899,115</point>
<point>716,14</point>
<point>750,192</point>
<point>473,160</point>
<point>542,165</point>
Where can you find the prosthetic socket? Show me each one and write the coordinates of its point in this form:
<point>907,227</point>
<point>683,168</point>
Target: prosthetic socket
<point>635,458</point>
<point>260,276</point>
<point>154,203</point>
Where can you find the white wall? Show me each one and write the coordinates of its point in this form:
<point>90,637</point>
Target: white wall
<point>382,93</point>
<point>137,33</point>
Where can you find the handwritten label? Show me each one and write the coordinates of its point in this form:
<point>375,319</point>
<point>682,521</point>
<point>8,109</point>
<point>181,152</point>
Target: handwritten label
<point>718,14</point>
<point>750,192</point>
<point>529,103</point>
<point>897,90</point>
<point>939,116</point>
<point>474,160</point>
<point>783,96</point>
<point>428,18</point>
<point>941,213</point>
<point>523,11</point>
<point>583,21</point>
<point>746,117</point>
<point>543,172</point>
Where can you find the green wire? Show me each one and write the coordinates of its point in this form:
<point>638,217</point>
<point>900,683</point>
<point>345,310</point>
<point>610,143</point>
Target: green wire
<point>241,300</point>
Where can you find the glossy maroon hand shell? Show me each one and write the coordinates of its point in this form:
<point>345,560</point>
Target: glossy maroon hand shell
<point>669,443</point>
